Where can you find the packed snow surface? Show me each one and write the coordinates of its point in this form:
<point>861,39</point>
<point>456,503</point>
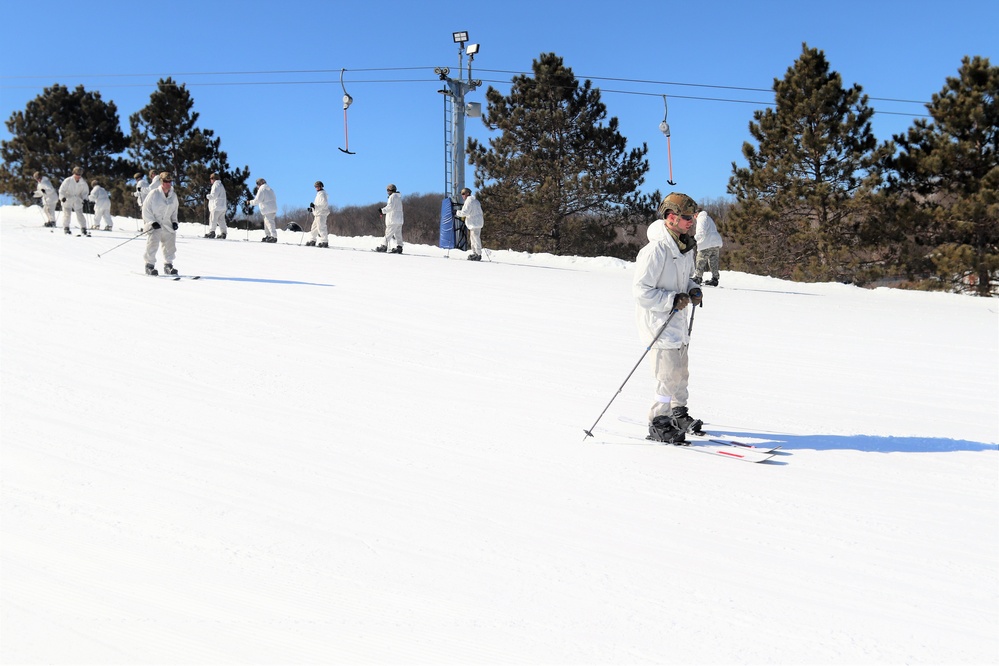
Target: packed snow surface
<point>338,456</point>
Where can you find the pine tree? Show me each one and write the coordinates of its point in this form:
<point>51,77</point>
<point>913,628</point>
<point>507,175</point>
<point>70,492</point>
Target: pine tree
<point>58,130</point>
<point>557,176</point>
<point>165,137</point>
<point>805,194</point>
<point>947,170</point>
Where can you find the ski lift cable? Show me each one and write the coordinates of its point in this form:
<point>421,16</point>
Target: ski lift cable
<point>664,128</point>
<point>347,101</point>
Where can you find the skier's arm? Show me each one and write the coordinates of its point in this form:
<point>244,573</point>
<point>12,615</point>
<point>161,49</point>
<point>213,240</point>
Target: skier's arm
<point>644,288</point>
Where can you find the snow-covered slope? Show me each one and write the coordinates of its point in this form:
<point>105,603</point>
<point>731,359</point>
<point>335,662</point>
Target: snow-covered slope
<point>337,456</point>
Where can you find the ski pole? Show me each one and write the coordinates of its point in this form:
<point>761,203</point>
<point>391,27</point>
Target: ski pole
<point>589,433</point>
<point>691,327</point>
<point>141,233</point>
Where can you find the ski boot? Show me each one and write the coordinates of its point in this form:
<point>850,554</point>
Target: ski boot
<point>221,236</point>
<point>322,244</point>
<point>396,250</point>
<point>697,279</point>
<point>664,429</point>
<point>311,243</point>
<point>381,248</point>
<point>210,234</point>
<point>68,232</point>
<point>685,422</point>
<point>151,270</point>
<point>168,269</point>
<point>713,282</point>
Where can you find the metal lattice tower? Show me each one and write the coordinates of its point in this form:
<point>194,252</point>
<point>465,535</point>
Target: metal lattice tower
<point>454,116</point>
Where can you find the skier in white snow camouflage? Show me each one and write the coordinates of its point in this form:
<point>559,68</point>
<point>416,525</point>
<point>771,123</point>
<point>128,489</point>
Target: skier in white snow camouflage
<point>267,201</point>
<point>102,207</point>
<point>72,193</point>
<point>471,213</point>
<point>216,209</point>
<point>154,181</point>
<point>141,190</point>
<point>394,220</point>
<point>47,195</point>
<point>320,208</point>
<point>709,243</point>
<point>662,284</point>
<point>159,218</point>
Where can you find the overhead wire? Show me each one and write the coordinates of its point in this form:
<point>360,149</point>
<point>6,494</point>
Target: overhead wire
<point>284,72</point>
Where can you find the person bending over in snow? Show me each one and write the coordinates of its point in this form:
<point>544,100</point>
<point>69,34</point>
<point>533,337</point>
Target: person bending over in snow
<point>48,197</point>
<point>102,207</point>
<point>267,201</point>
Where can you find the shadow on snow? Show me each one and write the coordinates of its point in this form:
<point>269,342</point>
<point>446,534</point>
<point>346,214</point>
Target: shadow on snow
<point>264,281</point>
<point>870,443</point>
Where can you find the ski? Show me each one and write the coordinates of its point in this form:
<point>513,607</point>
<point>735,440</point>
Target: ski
<point>715,438</point>
<point>175,278</point>
<point>711,448</point>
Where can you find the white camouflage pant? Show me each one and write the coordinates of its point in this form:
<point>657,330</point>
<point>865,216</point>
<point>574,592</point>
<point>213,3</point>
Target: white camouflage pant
<point>671,381</point>
<point>270,229</point>
<point>216,218</point>
<point>48,208</point>
<point>73,206</point>
<point>102,213</point>
<point>320,228</point>
<point>393,235</point>
<point>168,237</point>
<point>475,240</point>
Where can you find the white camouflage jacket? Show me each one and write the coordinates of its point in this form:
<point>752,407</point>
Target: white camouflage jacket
<point>661,272</point>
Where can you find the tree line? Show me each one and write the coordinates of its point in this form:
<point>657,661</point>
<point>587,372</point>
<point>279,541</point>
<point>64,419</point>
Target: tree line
<point>63,128</point>
<point>819,197</point>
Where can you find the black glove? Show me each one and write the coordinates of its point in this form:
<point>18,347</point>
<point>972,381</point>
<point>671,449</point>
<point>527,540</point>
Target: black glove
<point>680,301</point>
<point>311,206</point>
<point>156,225</point>
<point>64,199</point>
<point>696,296</point>
<point>43,190</point>
<point>175,225</point>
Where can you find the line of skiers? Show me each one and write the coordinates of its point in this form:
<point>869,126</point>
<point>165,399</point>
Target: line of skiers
<point>74,190</point>
<point>72,194</point>
<point>160,222</point>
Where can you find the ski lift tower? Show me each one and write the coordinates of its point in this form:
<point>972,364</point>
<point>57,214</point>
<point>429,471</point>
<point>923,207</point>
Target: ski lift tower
<point>455,111</point>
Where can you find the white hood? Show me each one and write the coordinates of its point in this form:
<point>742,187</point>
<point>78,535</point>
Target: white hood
<point>657,231</point>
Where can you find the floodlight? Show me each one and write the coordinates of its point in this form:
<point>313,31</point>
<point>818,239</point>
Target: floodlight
<point>460,37</point>
<point>471,49</point>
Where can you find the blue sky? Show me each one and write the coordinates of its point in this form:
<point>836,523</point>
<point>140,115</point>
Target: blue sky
<point>265,76</point>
